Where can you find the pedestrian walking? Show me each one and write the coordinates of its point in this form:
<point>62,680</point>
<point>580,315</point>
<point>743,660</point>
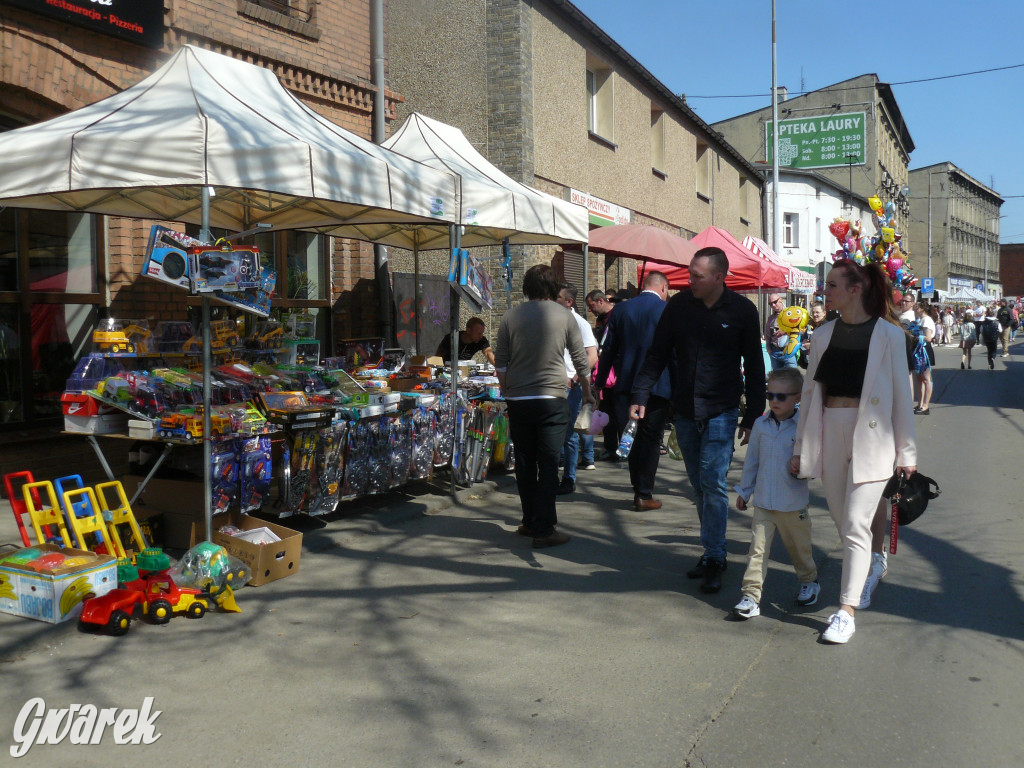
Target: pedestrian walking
<point>600,303</point>
<point>779,498</point>
<point>925,332</point>
<point>530,367</point>
<point>712,331</point>
<point>968,338</point>
<point>990,333</point>
<point>630,333</point>
<point>1005,319</point>
<point>856,419</point>
<point>567,293</point>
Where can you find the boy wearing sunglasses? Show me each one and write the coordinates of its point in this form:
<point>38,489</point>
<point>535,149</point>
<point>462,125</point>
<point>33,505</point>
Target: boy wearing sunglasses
<point>779,498</point>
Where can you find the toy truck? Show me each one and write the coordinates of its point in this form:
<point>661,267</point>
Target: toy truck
<point>222,336</point>
<point>189,427</point>
<point>116,338</point>
<point>156,596</point>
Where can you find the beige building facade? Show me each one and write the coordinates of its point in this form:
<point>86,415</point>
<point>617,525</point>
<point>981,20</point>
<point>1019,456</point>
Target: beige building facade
<point>962,244</point>
<point>553,101</point>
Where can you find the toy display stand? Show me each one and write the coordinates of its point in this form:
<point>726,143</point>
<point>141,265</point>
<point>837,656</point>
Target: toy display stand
<point>91,439</point>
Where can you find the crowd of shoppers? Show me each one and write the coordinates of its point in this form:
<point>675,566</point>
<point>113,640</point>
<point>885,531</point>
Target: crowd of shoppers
<point>696,360</point>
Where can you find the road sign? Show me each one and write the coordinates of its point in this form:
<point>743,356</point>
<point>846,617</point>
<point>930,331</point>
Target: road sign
<point>927,286</point>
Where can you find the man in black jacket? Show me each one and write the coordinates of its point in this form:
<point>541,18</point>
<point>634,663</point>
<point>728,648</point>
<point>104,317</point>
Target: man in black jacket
<point>715,333</point>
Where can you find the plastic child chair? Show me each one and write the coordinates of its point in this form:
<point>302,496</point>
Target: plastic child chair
<point>81,508</point>
<point>35,496</point>
<point>121,514</point>
<point>13,483</point>
<point>85,498</point>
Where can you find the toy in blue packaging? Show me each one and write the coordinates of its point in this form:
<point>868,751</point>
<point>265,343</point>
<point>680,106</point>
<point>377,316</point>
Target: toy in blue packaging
<point>255,469</point>
<point>224,475</point>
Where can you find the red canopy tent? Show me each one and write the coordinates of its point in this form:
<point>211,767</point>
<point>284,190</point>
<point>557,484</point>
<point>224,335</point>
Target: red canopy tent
<point>747,272</point>
<point>644,242</point>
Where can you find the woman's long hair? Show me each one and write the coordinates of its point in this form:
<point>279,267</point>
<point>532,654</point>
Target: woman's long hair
<point>876,290</point>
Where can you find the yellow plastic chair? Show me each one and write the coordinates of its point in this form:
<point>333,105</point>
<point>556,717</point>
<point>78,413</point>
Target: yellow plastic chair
<point>93,523</point>
<point>45,515</point>
<point>121,514</point>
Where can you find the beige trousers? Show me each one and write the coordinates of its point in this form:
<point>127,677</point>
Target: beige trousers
<point>795,530</point>
<point>851,505</point>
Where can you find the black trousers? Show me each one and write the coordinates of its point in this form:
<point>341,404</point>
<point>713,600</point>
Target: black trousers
<point>537,428</point>
<point>645,454</point>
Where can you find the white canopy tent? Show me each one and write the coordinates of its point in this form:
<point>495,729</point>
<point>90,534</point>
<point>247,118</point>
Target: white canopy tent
<point>211,140</point>
<point>207,120</point>
<point>967,296</point>
<point>494,206</point>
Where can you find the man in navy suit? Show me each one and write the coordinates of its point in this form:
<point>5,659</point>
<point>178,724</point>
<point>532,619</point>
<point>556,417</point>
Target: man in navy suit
<point>630,332</point>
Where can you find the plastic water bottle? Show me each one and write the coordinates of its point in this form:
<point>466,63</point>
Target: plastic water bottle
<point>626,442</point>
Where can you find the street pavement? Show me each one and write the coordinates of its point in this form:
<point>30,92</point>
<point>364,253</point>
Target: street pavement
<point>421,631</point>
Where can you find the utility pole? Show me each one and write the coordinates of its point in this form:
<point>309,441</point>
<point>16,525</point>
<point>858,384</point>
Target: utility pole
<point>776,214</point>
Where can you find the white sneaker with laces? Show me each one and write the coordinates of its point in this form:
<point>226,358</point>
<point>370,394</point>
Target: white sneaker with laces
<point>809,591</point>
<point>589,467</point>
<point>840,628</point>
<point>879,567</point>
<point>747,608</point>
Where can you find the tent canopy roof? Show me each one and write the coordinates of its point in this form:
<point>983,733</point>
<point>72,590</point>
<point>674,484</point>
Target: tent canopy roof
<point>204,119</point>
<point>493,205</point>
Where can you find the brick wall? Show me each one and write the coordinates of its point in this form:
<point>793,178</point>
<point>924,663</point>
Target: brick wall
<point>1011,268</point>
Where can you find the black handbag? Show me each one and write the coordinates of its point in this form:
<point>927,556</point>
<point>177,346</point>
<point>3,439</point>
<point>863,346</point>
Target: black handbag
<point>910,495</point>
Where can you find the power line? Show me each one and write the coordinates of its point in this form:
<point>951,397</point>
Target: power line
<point>857,88</point>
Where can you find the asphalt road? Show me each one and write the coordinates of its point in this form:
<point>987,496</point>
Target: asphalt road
<point>422,633</point>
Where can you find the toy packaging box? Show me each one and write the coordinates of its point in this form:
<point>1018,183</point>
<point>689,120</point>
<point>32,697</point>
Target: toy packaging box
<point>55,594</point>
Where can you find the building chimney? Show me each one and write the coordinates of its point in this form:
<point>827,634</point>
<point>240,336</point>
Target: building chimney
<point>783,93</point>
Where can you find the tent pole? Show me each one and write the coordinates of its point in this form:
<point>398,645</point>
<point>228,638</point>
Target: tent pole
<point>205,236</point>
<point>453,322</point>
<point>586,275</point>
<point>417,323</point>
<point>643,270</point>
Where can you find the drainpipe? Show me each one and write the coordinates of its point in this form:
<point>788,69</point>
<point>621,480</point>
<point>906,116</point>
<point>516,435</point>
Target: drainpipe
<point>380,252</point>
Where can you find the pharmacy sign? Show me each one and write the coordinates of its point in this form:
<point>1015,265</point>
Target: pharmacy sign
<point>823,141</point>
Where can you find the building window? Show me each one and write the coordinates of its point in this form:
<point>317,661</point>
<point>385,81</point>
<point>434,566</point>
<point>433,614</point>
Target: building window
<point>296,9</point>
<point>791,230</point>
<point>817,234</point>
<point>657,140</point>
<point>599,99</point>
<point>743,200</point>
<point>49,278</point>
<point>703,170</point>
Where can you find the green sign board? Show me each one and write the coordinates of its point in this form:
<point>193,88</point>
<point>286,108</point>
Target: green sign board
<point>823,141</point>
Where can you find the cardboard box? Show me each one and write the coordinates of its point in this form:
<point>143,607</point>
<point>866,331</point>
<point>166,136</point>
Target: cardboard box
<point>142,430</point>
<point>431,360</point>
<point>55,595</point>
<point>268,562</point>
<point>97,425</point>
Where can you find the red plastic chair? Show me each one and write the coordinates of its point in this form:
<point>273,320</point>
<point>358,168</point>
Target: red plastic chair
<point>13,483</point>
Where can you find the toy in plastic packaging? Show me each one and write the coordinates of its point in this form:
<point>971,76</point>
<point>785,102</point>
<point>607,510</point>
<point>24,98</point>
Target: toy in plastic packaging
<point>302,456</point>
<point>422,465</point>
<point>379,480</point>
<point>209,567</point>
<point>330,468</point>
<point>444,432</point>
<point>255,466</point>
<point>357,463</point>
<point>400,450</point>
<point>224,476</point>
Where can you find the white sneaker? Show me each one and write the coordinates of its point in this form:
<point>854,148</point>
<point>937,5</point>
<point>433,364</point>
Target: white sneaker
<point>589,467</point>
<point>879,567</point>
<point>747,608</point>
<point>840,628</point>
<point>809,591</point>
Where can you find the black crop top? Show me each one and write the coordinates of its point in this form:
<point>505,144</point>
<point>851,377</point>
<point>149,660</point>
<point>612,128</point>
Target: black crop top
<point>843,364</point>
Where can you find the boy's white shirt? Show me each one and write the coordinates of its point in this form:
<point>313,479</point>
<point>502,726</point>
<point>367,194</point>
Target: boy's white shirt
<point>766,476</point>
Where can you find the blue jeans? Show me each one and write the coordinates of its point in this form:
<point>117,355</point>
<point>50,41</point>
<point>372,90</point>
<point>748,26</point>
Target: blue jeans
<point>571,446</point>
<point>586,450</point>
<point>707,449</point>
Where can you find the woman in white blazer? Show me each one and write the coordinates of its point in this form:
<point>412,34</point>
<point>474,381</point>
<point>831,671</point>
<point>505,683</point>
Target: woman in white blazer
<point>856,419</point>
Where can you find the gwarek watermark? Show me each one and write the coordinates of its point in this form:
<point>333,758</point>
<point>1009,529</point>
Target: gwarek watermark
<point>82,724</point>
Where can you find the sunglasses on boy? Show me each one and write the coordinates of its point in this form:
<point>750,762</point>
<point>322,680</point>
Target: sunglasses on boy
<point>780,396</point>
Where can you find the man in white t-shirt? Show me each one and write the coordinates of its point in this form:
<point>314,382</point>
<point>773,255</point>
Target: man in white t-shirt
<point>906,308</point>
<point>571,448</point>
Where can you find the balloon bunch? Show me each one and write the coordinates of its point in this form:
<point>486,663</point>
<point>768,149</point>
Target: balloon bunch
<point>882,249</point>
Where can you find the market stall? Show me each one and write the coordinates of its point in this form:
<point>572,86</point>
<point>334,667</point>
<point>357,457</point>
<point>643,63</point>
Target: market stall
<point>747,272</point>
<point>213,141</point>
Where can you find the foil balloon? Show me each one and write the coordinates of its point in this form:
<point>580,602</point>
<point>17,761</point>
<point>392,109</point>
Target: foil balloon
<point>875,204</point>
<point>792,322</point>
<point>894,266</point>
<point>888,235</point>
<point>839,228</point>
